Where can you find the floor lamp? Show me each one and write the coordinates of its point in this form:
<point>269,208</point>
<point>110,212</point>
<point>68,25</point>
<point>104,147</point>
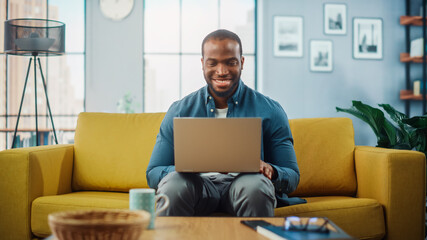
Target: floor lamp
<point>34,37</point>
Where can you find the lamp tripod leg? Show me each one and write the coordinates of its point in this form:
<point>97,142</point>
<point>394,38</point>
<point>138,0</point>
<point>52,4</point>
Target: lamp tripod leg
<point>20,106</point>
<point>47,101</point>
<point>35,101</point>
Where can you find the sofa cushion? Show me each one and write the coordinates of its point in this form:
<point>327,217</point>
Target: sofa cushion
<point>362,218</point>
<point>43,206</point>
<point>112,151</point>
<point>325,155</point>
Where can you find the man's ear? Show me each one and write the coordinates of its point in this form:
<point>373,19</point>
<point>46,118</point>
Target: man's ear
<point>203,63</point>
<point>242,60</point>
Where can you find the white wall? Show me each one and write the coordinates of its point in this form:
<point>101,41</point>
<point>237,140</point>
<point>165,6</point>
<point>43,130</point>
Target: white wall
<point>113,58</point>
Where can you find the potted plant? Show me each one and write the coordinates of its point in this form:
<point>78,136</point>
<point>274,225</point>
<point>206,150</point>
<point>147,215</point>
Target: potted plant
<point>404,133</point>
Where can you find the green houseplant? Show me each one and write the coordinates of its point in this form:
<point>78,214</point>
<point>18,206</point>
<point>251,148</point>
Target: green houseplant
<point>404,133</point>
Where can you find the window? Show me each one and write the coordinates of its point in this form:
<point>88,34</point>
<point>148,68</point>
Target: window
<point>64,75</point>
<point>173,33</point>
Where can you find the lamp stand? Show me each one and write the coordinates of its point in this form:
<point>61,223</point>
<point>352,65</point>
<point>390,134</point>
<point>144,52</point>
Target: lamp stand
<point>35,54</point>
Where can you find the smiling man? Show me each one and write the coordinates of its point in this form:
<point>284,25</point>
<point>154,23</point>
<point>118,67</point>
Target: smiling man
<point>225,95</point>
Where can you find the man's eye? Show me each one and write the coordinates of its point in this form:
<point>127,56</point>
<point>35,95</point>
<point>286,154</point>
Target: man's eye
<point>232,63</point>
<point>211,64</point>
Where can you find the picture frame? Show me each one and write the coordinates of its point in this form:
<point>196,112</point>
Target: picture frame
<point>335,19</point>
<point>367,38</point>
<point>288,36</point>
<point>321,56</point>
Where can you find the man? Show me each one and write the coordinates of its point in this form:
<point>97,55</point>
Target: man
<point>226,95</point>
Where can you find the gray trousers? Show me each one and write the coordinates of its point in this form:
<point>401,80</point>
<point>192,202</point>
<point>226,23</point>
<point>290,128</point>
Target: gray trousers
<point>245,195</point>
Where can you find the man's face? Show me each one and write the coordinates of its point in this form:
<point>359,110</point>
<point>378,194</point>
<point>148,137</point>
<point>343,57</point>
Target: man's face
<point>222,66</point>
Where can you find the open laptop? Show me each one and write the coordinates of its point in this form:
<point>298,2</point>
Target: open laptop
<point>217,144</point>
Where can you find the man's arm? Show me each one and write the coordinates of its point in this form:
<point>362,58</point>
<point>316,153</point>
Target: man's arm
<point>280,154</point>
<point>162,157</point>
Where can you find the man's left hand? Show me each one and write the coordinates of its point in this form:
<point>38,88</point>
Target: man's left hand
<point>266,169</point>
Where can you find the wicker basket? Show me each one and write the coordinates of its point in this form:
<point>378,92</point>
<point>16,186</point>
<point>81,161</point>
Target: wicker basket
<point>98,224</point>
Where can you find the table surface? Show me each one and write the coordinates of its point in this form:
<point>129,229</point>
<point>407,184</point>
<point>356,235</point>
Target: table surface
<point>219,228</point>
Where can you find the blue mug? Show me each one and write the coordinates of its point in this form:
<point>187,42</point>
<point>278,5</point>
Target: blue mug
<point>145,199</point>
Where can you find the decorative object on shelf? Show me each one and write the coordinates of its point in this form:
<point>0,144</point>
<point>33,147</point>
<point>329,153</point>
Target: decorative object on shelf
<point>416,88</point>
<point>288,35</point>
<point>417,49</point>
<point>34,37</point>
<point>321,56</point>
<point>406,133</point>
<point>367,38</point>
<point>335,19</point>
<point>116,9</point>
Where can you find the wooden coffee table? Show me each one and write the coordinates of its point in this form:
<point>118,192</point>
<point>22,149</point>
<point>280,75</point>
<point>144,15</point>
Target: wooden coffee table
<point>218,228</point>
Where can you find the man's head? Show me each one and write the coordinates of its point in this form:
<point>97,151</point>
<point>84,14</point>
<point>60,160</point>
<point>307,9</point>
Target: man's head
<point>222,63</point>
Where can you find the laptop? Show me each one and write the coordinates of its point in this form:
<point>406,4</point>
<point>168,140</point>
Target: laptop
<point>217,144</point>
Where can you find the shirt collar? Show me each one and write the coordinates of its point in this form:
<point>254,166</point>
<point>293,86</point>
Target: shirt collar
<point>235,98</point>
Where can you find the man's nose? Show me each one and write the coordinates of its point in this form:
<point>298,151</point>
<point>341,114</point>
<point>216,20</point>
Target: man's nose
<point>222,69</point>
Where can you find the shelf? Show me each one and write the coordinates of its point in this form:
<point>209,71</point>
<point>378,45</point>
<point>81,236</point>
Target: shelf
<point>404,57</point>
<point>411,20</point>
<point>408,95</point>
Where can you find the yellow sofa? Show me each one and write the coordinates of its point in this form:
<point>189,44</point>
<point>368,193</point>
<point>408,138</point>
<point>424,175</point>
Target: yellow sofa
<point>371,193</point>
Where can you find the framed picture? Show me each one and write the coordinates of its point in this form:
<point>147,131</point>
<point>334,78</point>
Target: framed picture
<point>321,56</point>
<point>367,38</point>
<point>288,36</point>
<point>335,19</point>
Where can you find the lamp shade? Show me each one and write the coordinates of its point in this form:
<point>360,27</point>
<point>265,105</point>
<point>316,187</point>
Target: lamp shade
<point>29,36</point>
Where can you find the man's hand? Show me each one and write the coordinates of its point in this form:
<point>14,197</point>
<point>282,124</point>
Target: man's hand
<point>266,169</point>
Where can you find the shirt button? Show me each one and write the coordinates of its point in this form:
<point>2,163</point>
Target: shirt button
<point>210,97</point>
<point>212,110</point>
<point>237,102</point>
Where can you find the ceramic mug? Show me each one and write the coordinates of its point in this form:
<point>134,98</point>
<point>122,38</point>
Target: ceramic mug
<point>146,199</point>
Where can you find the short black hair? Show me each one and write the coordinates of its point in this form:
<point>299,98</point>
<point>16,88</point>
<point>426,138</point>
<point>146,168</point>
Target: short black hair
<point>222,34</point>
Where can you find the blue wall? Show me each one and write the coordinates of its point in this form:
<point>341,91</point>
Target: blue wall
<point>305,94</point>
<point>302,93</point>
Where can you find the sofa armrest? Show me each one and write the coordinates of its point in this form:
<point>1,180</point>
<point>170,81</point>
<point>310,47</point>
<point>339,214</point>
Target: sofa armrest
<point>28,173</point>
<point>396,179</point>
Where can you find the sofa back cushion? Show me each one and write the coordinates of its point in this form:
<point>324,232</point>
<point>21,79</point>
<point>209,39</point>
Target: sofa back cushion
<point>112,151</point>
<point>325,155</point>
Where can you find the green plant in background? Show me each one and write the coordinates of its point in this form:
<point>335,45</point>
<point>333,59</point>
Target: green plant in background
<point>405,133</point>
<point>126,104</point>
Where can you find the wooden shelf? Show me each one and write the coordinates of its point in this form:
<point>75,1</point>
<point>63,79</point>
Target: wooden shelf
<point>404,57</point>
<point>411,20</point>
<point>408,95</point>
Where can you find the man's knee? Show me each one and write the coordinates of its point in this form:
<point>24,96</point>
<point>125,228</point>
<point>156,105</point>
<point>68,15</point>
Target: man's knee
<point>252,185</point>
<point>176,185</point>
<point>252,195</point>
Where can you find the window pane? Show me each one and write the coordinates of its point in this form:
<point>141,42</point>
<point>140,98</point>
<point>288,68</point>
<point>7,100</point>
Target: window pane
<point>192,74</point>
<point>241,22</point>
<point>248,72</point>
<point>3,145</point>
<point>65,82</point>
<point>64,126</point>
<point>17,70</point>
<point>198,19</point>
<point>28,123</point>
<point>2,84</point>
<point>2,19</point>
<point>27,9</point>
<point>161,82</point>
<point>161,24</point>
<point>72,14</point>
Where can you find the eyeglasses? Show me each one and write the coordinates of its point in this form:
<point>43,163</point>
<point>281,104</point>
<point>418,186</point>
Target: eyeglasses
<point>315,224</point>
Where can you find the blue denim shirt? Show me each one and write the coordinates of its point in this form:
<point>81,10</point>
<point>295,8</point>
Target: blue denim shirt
<point>277,143</point>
